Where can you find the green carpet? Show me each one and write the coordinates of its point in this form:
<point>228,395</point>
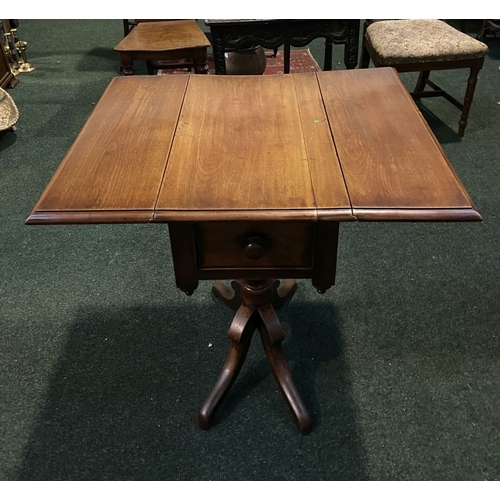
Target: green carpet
<point>104,364</point>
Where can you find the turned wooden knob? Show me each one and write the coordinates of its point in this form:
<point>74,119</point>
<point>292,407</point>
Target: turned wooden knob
<point>255,247</point>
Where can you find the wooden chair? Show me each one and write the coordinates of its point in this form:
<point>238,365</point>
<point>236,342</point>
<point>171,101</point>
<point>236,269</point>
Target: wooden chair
<point>176,43</point>
<point>489,26</point>
<point>425,45</point>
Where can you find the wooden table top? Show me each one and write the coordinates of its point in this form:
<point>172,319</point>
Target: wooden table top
<point>337,145</point>
<point>164,36</point>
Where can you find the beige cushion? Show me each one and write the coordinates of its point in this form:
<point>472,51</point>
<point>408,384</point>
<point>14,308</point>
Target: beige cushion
<point>421,41</point>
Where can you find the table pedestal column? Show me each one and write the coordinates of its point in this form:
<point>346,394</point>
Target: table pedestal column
<point>255,303</point>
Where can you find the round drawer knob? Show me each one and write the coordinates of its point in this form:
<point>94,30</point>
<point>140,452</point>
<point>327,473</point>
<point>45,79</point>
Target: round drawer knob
<point>255,248</point>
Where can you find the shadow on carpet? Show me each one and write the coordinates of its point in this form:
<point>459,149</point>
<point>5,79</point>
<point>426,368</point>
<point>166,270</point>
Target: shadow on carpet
<point>126,392</point>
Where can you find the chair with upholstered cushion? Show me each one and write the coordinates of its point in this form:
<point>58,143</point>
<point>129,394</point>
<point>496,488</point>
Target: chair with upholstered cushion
<point>425,45</point>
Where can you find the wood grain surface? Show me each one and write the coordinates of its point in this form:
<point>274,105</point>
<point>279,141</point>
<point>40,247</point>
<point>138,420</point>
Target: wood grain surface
<point>331,146</point>
<point>164,35</point>
<point>239,146</point>
<point>118,159</point>
<point>326,174</point>
<point>389,157</point>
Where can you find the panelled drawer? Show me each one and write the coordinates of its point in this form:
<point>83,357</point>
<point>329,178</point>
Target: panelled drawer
<point>254,245</point>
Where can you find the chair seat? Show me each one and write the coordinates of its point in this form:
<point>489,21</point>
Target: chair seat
<point>421,41</point>
<point>164,36</point>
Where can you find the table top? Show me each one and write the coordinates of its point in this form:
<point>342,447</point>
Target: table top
<point>336,145</point>
<point>164,35</point>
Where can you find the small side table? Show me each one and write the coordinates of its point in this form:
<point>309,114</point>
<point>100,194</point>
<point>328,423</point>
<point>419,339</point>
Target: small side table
<point>165,41</point>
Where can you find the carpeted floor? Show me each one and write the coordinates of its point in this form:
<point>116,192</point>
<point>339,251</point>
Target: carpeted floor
<point>104,363</point>
<point>301,61</point>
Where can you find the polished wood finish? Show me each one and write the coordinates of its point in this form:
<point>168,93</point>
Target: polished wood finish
<point>220,250</point>
<point>386,165</point>
<point>255,303</point>
<point>247,151</point>
<point>263,148</point>
<point>164,41</point>
<point>115,166</point>
<point>254,174</point>
<point>229,244</point>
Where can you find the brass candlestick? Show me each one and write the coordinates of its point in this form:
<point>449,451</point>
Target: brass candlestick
<point>25,66</point>
<point>13,55</point>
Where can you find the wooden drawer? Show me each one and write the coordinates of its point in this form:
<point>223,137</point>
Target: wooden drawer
<point>245,245</point>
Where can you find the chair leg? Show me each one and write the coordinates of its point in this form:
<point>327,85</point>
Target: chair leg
<point>126,63</point>
<point>422,81</point>
<point>469,94</point>
<point>150,68</point>
<point>327,64</point>
<point>286,53</point>
<point>364,61</point>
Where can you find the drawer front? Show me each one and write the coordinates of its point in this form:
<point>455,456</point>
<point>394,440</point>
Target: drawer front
<point>244,245</point>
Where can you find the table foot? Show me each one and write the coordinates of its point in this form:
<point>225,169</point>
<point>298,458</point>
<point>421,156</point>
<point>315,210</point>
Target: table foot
<point>272,335</point>
<point>256,303</point>
<point>240,333</point>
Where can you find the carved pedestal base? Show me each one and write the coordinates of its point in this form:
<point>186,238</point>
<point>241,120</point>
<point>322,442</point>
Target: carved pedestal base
<point>255,303</point>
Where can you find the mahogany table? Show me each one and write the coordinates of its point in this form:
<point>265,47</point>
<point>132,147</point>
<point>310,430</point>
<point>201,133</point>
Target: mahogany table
<point>193,151</point>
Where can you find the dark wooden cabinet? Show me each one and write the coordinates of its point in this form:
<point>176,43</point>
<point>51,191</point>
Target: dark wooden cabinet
<point>7,79</point>
<point>6,76</point>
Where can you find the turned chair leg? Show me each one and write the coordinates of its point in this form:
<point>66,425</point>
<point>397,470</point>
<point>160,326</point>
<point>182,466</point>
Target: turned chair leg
<point>127,64</point>
<point>469,94</point>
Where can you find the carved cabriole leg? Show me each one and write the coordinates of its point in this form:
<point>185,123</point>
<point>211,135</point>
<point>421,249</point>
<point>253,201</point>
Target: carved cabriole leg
<point>255,302</point>
<point>469,94</point>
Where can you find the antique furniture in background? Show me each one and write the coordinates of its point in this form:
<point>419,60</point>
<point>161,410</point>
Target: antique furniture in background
<point>164,41</point>
<point>489,26</point>
<point>193,152</point>
<point>425,45</point>
<point>232,34</point>
<point>129,24</point>
<point>7,76</point>
<point>14,51</point>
